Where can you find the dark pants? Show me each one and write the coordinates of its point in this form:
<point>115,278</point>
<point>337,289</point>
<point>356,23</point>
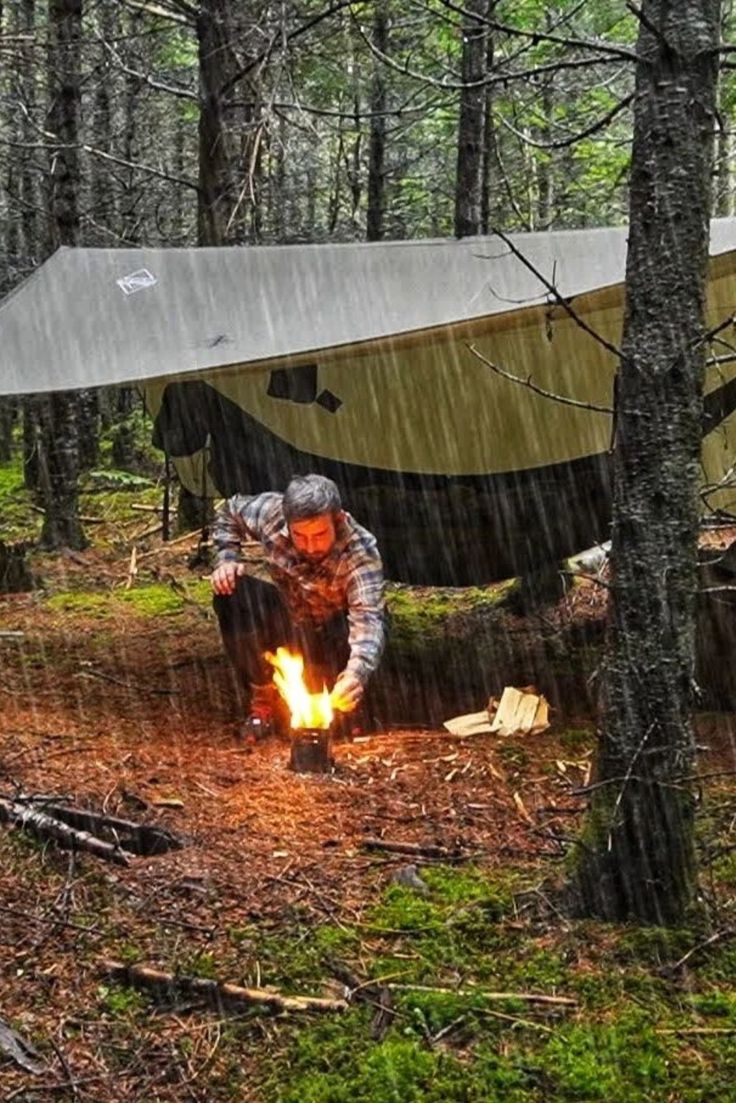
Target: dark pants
<point>254,619</point>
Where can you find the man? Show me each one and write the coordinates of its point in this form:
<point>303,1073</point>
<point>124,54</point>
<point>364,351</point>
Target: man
<point>326,599</point>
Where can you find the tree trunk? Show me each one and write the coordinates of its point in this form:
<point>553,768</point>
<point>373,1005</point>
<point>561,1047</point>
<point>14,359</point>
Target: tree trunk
<point>102,194</point>
<point>489,157</point>
<point>468,182</point>
<point>637,858</point>
<point>724,200</point>
<point>58,436</point>
<point>59,471</point>
<point>29,190</point>
<point>216,197</point>
<point>377,140</point>
<point>8,408</point>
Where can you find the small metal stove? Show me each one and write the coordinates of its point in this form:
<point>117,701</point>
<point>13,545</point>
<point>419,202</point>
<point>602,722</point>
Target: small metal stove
<point>311,751</point>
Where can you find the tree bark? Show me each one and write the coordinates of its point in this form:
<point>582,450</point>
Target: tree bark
<point>8,409</point>
<point>216,197</point>
<point>469,178</point>
<point>58,439</point>
<point>637,857</point>
<point>377,140</point>
<point>29,189</point>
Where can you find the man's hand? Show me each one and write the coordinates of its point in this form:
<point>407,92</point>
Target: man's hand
<point>347,694</point>
<point>226,575</point>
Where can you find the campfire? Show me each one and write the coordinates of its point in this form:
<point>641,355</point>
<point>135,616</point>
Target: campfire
<point>311,713</point>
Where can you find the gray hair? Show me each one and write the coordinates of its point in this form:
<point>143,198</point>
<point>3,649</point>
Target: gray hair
<point>309,496</point>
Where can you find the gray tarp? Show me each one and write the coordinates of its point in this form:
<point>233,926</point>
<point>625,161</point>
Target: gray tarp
<point>371,364</point>
<point>92,317</point>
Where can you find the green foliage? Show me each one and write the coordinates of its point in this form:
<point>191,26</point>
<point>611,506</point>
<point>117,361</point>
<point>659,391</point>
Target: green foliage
<point>622,1062</point>
<point>654,945</point>
<point>18,520</point>
<point>397,1070</point>
<point>427,621</point>
<point>90,603</point>
<point>155,600</point>
<point>110,478</point>
<point>575,740</point>
<point>121,1002</point>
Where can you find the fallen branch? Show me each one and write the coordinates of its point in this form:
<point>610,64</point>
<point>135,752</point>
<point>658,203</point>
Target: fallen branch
<point>416,849</point>
<point>525,997</point>
<point>696,1030</point>
<point>215,993</point>
<point>171,544</point>
<point>126,685</point>
<point>727,932</point>
<point>53,920</point>
<point>45,827</point>
<point>20,1050</point>
<point>137,838</point>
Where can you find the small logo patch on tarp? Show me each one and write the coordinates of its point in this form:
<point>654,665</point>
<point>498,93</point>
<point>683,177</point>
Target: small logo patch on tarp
<point>136,281</point>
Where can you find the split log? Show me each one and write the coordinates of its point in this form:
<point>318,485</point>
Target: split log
<point>216,994</point>
<point>45,827</point>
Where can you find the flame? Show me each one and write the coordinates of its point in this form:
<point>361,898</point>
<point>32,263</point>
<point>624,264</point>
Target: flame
<point>308,710</point>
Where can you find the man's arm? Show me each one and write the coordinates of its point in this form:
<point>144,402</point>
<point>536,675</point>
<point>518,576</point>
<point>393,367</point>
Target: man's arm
<point>242,517</point>
<point>366,634</point>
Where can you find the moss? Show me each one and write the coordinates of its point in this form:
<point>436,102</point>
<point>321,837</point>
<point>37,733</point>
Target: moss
<point>575,740</point>
<point>620,1062</point>
<point>19,520</point>
<point>152,601</point>
<point>433,618</point>
<point>397,1070</point>
<point>654,945</point>
<point>69,601</point>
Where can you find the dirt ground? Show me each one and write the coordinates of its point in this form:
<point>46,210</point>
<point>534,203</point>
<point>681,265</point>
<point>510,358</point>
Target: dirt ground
<point>136,717</point>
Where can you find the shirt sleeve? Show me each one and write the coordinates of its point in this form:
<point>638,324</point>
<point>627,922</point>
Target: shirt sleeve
<point>366,617</point>
<point>242,517</point>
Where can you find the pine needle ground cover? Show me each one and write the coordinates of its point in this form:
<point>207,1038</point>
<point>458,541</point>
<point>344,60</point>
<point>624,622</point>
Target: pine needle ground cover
<point>464,979</point>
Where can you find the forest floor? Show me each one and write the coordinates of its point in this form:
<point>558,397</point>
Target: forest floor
<point>463,978</point>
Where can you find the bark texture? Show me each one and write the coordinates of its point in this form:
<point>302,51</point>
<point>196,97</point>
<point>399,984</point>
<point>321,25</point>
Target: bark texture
<point>58,438</point>
<point>471,129</point>
<point>377,142</point>
<point>637,859</point>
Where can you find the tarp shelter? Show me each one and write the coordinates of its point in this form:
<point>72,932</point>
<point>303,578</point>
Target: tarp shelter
<point>357,361</point>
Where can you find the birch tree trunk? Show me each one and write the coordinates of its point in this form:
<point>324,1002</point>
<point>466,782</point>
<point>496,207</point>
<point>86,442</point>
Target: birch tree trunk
<point>637,858</point>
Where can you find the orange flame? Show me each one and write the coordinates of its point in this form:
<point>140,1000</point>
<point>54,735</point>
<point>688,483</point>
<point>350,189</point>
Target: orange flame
<point>308,710</point>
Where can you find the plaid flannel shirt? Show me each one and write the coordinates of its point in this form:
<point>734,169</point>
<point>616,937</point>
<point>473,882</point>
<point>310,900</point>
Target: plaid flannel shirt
<point>349,579</point>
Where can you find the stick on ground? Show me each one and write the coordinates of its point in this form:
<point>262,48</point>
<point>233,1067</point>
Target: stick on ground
<point>216,994</point>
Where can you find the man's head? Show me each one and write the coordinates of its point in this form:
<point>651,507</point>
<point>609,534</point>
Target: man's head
<point>312,509</point>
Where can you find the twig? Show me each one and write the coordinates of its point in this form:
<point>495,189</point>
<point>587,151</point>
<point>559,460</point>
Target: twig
<point>526,997</point>
<point>725,933</point>
<point>627,778</point>
<point>125,685</point>
<point>514,1019</point>
<point>696,1030</point>
<point>536,389</point>
<point>54,921</point>
<point>417,849</point>
<point>559,299</point>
